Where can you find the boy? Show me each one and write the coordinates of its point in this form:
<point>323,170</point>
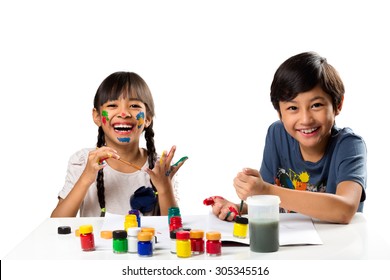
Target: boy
<point>316,168</point>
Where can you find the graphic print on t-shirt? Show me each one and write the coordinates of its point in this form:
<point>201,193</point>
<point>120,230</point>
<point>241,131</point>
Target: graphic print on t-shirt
<point>293,180</point>
<point>297,181</point>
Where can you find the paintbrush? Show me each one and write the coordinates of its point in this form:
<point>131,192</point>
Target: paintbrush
<point>131,164</point>
<point>241,205</point>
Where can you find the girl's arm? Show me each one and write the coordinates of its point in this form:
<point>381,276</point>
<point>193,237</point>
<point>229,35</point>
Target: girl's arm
<point>69,206</point>
<point>161,176</point>
<point>166,198</point>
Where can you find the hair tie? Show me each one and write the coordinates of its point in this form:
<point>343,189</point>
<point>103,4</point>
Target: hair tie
<point>103,212</point>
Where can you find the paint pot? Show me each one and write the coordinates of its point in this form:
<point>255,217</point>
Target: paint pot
<point>130,221</point>
<point>137,214</point>
<point>172,235</point>
<point>119,241</point>
<point>197,241</point>
<point>240,227</point>
<point>173,211</point>
<point>175,223</point>
<point>183,244</point>
<point>145,248</point>
<point>213,243</point>
<point>132,239</point>
<point>86,238</point>
<point>263,212</point>
<point>153,232</point>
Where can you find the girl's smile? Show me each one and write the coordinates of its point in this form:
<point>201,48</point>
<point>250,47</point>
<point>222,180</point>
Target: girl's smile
<point>122,128</point>
<point>122,120</point>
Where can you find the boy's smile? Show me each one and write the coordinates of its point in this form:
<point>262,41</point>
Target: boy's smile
<point>309,118</point>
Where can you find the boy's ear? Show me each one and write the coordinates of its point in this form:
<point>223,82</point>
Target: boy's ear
<point>96,117</point>
<point>280,116</point>
<point>340,106</point>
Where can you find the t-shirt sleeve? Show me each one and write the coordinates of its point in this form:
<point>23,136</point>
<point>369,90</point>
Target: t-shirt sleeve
<point>270,159</point>
<point>76,165</point>
<point>352,162</point>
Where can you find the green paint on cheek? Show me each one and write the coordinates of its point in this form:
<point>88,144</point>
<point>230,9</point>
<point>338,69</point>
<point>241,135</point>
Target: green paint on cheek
<point>105,118</point>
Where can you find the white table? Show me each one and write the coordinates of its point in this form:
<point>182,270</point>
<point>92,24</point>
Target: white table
<point>353,241</point>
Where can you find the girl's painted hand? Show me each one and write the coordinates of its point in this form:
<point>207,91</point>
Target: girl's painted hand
<point>96,161</point>
<point>222,208</point>
<point>248,182</point>
<point>163,171</point>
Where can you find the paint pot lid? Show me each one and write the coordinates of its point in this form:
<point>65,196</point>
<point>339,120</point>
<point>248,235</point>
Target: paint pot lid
<point>182,235</point>
<point>241,220</point>
<point>119,234</point>
<point>63,230</point>
<point>148,229</point>
<point>85,229</point>
<point>106,234</point>
<point>134,212</point>
<point>213,235</point>
<point>133,231</point>
<point>196,233</point>
<point>145,236</point>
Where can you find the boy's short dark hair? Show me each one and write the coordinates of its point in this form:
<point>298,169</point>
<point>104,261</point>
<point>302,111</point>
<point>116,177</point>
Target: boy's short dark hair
<point>303,72</point>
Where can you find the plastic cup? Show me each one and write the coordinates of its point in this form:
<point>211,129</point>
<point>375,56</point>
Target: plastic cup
<point>263,213</point>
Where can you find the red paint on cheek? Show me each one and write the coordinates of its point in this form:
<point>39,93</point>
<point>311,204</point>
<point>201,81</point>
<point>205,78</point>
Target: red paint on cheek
<point>104,120</point>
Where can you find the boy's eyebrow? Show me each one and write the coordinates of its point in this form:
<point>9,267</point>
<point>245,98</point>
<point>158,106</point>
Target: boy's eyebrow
<point>311,100</point>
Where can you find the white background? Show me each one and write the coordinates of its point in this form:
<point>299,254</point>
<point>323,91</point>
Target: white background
<point>209,65</point>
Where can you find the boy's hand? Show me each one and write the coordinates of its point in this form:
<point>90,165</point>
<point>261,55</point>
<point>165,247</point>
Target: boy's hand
<point>248,182</point>
<point>222,208</point>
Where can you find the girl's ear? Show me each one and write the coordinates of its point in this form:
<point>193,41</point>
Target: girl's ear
<point>148,121</point>
<point>96,117</point>
<point>340,106</point>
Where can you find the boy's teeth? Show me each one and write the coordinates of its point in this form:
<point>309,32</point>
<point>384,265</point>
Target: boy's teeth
<point>308,130</point>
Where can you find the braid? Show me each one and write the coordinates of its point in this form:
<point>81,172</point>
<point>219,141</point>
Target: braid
<point>149,137</point>
<point>152,157</point>
<point>99,179</point>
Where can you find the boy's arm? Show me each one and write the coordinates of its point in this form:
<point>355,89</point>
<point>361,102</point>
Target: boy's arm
<point>336,208</point>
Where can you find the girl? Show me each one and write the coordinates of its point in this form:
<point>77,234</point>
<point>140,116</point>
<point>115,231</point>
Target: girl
<point>316,168</point>
<point>97,179</point>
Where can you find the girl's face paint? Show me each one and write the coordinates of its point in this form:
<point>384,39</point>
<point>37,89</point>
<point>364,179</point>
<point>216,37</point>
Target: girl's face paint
<point>141,119</point>
<point>105,118</point>
<point>124,139</point>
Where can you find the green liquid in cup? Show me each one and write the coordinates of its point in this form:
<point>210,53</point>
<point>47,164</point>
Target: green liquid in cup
<point>264,235</point>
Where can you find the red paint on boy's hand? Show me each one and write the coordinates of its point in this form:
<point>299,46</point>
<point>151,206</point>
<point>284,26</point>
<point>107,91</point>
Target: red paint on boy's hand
<point>233,210</point>
<point>208,201</point>
<point>211,200</point>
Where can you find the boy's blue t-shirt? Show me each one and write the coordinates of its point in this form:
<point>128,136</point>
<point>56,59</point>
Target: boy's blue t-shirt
<point>344,160</point>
